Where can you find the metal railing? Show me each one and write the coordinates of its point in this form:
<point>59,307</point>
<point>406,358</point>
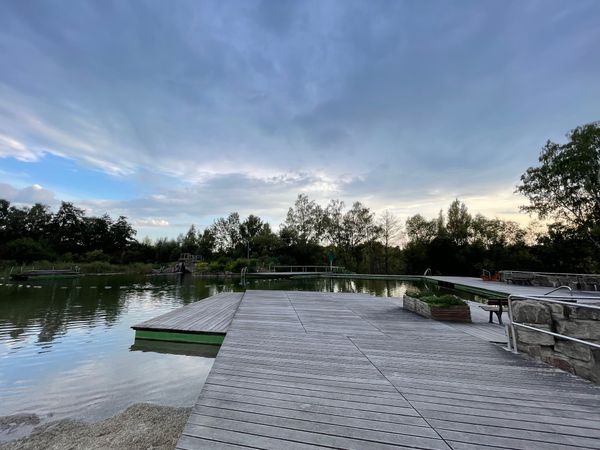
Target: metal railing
<point>570,303</point>
<point>427,272</point>
<point>302,268</point>
<point>243,273</point>
<point>559,288</point>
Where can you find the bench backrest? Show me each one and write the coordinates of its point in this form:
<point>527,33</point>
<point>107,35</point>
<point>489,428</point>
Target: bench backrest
<point>498,301</point>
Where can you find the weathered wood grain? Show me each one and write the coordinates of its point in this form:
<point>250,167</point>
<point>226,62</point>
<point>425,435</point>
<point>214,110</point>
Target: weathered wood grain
<point>320,370</point>
<point>211,315</point>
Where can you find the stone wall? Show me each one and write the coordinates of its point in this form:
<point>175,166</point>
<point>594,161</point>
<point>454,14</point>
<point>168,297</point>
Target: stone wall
<point>573,321</point>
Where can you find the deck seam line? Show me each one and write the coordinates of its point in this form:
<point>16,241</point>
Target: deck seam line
<point>369,322</point>
<point>295,312</point>
<point>397,390</point>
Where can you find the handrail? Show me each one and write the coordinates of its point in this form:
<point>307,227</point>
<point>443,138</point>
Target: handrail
<point>514,324</point>
<point>552,273</point>
<point>289,268</point>
<point>427,272</point>
<point>559,288</point>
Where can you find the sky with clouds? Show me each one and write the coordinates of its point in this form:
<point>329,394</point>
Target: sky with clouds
<point>174,113</point>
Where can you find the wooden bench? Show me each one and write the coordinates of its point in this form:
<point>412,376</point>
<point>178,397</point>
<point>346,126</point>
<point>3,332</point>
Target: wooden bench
<point>495,306</point>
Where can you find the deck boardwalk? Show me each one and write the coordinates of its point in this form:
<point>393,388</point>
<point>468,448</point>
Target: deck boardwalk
<point>208,317</point>
<point>301,370</point>
<point>478,286</point>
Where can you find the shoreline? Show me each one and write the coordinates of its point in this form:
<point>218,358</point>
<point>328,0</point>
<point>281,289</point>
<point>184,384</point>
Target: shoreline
<point>142,425</point>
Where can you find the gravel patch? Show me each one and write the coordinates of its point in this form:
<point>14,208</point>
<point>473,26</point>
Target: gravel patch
<point>141,426</point>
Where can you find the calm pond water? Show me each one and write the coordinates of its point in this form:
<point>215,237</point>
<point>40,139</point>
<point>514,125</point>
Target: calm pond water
<point>67,349</point>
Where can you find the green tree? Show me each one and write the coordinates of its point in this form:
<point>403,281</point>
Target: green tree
<point>38,221</point>
<point>360,226</point>
<point>206,244</point>
<point>566,184</point>
<point>68,227</point>
<point>334,223</point>
<point>390,234</point>
<point>189,243</point>
<point>27,250</point>
<point>98,235</point>
<point>419,229</point>
<point>122,233</point>
<point>226,231</point>
<point>304,221</point>
<point>458,222</point>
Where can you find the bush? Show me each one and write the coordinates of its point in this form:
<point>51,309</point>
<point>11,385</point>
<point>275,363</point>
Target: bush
<point>442,300</point>
<point>217,266</point>
<point>202,266</point>
<point>26,250</point>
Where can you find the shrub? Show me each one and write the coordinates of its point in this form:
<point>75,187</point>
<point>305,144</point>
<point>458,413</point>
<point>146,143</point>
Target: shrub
<point>26,250</point>
<point>442,300</point>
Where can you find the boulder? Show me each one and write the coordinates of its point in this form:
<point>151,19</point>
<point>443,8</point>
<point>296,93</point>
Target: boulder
<point>560,362</point>
<point>573,350</point>
<point>584,313</point>
<point>532,337</point>
<point>588,370</point>
<point>581,329</point>
<point>531,311</point>
<point>557,311</point>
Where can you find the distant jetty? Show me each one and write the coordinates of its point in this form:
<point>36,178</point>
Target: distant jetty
<point>46,274</point>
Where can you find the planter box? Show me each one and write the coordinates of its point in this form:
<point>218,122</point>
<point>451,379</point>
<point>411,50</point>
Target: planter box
<point>454,313</point>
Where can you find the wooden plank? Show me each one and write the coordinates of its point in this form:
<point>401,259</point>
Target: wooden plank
<point>211,315</point>
<point>314,370</point>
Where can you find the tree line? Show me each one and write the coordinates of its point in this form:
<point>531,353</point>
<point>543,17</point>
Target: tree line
<point>564,190</point>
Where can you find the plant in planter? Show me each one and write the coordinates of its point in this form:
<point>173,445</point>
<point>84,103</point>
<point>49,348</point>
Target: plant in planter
<point>438,307</point>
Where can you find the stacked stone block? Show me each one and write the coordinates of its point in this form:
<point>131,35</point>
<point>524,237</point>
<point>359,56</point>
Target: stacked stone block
<point>569,320</point>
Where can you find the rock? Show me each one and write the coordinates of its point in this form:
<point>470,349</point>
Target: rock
<point>573,350</point>
<point>590,371</point>
<point>532,337</point>
<point>559,362</point>
<point>533,350</point>
<point>531,311</point>
<point>7,422</point>
<point>584,313</point>
<point>581,329</point>
<point>557,311</point>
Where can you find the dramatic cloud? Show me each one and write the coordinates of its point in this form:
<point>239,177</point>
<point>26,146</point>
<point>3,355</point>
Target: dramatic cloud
<point>202,108</point>
<point>27,195</point>
<point>12,148</point>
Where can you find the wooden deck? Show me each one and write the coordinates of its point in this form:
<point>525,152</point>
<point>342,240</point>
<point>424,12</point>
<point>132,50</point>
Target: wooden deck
<point>302,370</point>
<point>205,321</point>
<point>478,286</point>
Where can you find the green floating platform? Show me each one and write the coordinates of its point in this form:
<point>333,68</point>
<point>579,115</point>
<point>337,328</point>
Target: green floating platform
<point>175,336</point>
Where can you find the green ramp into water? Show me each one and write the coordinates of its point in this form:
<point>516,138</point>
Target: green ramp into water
<point>171,336</point>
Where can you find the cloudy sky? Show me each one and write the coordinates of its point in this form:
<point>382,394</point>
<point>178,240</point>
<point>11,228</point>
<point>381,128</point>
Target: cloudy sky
<point>173,113</point>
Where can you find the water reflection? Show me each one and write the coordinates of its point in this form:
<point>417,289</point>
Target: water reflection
<point>66,346</point>
<point>175,348</point>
